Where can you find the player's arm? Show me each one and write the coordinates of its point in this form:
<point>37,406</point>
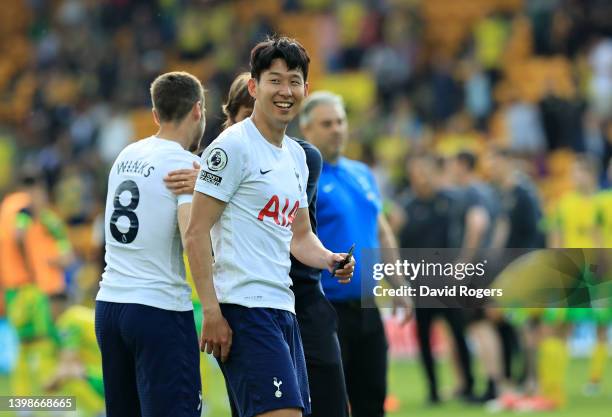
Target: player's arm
<point>69,367</point>
<point>23,222</point>
<point>390,253</point>
<point>501,232</point>
<point>476,223</point>
<point>205,212</point>
<point>308,249</point>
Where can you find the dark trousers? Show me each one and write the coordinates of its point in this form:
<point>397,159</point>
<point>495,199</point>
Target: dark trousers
<point>150,361</point>
<point>510,346</point>
<point>318,327</point>
<point>454,318</point>
<point>364,357</point>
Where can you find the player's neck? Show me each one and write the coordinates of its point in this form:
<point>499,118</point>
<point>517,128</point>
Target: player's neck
<point>271,133</point>
<point>174,134</point>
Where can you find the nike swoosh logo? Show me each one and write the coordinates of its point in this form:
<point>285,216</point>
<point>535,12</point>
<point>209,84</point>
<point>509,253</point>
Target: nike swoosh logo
<point>262,172</point>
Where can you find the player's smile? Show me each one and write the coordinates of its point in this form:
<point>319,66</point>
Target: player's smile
<point>285,105</point>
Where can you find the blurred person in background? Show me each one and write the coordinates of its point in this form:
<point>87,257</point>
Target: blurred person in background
<point>479,215</point>
<point>79,368</point>
<point>431,214</point>
<point>43,251</point>
<point>584,231</point>
<point>524,126</point>
<point>518,226</point>
<point>317,317</point>
<point>521,211</point>
<point>44,244</point>
<point>349,211</point>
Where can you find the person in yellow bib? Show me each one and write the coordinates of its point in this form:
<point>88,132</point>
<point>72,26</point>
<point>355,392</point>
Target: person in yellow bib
<point>79,371</point>
<point>567,276</point>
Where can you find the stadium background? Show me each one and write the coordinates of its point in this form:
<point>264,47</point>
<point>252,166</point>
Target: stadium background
<point>531,76</point>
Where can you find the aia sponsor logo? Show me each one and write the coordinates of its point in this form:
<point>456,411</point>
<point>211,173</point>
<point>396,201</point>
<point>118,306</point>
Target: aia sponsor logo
<point>280,216</point>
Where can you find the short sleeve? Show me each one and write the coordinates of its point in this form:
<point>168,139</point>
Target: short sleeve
<point>375,189</point>
<point>182,160</point>
<point>222,171</point>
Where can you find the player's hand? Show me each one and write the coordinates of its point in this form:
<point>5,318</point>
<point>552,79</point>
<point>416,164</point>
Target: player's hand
<point>216,335</point>
<point>182,181</point>
<point>345,274</point>
<point>404,306</point>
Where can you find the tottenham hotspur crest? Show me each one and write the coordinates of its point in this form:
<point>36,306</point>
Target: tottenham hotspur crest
<point>277,384</point>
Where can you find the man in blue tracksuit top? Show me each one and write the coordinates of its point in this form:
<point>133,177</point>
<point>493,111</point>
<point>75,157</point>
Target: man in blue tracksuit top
<point>349,210</point>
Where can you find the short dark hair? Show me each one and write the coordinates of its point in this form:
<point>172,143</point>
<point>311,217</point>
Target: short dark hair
<point>287,49</point>
<point>468,159</point>
<point>173,95</point>
<point>237,97</point>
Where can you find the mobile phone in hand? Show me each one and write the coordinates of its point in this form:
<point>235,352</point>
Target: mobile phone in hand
<point>342,264</point>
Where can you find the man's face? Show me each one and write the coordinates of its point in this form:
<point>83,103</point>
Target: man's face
<point>327,129</point>
<point>420,174</point>
<point>583,179</point>
<point>494,167</point>
<point>457,170</point>
<point>279,92</point>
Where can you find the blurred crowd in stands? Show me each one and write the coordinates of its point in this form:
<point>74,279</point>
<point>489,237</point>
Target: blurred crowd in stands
<point>532,77</point>
<point>474,84</point>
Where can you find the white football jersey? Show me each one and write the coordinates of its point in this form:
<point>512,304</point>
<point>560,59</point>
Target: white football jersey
<point>263,186</point>
<point>144,252</point>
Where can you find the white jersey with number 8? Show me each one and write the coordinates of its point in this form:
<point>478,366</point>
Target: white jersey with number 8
<point>144,254</point>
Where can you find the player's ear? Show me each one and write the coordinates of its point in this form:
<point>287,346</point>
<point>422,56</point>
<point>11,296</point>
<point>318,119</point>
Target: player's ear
<point>306,85</point>
<point>155,116</point>
<point>252,87</point>
<point>198,110</point>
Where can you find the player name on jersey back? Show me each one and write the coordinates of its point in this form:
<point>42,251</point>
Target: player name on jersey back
<point>143,168</point>
<point>144,253</point>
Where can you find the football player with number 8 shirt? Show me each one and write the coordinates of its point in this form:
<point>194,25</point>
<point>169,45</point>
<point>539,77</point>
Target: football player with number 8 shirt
<point>144,321</point>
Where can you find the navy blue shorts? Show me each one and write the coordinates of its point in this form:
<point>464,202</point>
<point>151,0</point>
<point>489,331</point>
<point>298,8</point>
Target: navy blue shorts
<point>150,361</point>
<point>265,369</point>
